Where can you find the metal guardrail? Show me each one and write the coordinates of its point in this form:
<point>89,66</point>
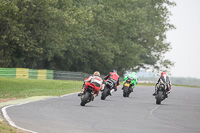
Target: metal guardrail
<point>50,74</point>
<point>146,82</point>
<point>67,75</point>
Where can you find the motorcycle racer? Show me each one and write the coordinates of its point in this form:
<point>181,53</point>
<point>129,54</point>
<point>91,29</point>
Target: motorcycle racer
<point>165,79</point>
<point>114,77</point>
<point>96,80</point>
<point>133,79</point>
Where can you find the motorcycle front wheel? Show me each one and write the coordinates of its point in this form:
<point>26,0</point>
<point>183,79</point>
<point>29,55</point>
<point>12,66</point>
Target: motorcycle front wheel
<point>159,97</point>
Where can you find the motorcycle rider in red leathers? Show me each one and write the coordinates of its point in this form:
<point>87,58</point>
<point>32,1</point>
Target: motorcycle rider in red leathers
<point>114,76</point>
<point>163,78</point>
<point>96,80</point>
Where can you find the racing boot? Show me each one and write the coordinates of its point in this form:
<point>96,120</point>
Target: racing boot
<point>155,93</point>
<point>131,89</point>
<point>81,93</point>
<point>92,99</point>
<point>111,92</point>
<point>166,94</point>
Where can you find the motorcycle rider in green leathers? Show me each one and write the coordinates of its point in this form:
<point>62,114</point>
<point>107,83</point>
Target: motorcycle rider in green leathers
<point>133,79</point>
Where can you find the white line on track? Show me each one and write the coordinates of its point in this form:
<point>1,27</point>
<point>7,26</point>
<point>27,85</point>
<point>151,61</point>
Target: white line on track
<point>13,124</point>
<point>154,109</point>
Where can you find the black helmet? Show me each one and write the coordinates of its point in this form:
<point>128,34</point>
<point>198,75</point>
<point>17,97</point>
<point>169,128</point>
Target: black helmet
<point>114,70</point>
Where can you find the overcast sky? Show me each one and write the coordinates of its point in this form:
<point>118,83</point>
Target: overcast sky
<point>185,39</point>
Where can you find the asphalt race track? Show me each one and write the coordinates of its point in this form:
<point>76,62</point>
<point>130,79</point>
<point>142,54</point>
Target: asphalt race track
<point>139,113</point>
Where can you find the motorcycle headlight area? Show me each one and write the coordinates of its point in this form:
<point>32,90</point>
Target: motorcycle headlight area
<point>162,86</point>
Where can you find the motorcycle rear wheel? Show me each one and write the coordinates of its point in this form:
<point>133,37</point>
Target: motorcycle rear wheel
<point>85,99</point>
<point>104,94</point>
<point>125,92</point>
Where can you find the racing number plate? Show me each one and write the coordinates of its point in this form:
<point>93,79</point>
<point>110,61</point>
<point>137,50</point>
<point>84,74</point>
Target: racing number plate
<point>127,84</point>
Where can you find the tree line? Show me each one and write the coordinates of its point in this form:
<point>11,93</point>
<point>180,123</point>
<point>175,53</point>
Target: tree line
<point>85,35</point>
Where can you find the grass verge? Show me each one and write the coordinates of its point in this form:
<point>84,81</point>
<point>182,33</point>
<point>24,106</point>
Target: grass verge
<point>187,86</point>
<point>23,88</point>
<point>149,84</point>
<point>5,128</point>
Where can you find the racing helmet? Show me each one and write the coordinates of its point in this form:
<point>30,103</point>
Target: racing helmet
<point>96,73</point>
<point>114,70</point>
<point>163,73</point>
<point>133,73</point>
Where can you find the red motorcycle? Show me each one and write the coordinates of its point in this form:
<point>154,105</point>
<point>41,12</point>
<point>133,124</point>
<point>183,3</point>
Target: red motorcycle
<point>88,94</point>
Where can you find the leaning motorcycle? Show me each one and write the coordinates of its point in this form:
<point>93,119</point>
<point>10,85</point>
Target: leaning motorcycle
<point>127,88</point>
<point>161,93</point>
<point>109,85</point>
<point>88,94</point>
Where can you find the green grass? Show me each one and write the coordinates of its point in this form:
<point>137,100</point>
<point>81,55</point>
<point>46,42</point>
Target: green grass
<point>186,86</point>
<point>5,128</point>
<point>22,88</point>
<point>149,84</point>
<point>145,84</point>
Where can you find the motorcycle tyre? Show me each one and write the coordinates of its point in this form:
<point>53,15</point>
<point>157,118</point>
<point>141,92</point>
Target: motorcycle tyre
<point>125,92</point>
<point>85,99</point>
<point>104,94</point>
<point>159,97</point>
